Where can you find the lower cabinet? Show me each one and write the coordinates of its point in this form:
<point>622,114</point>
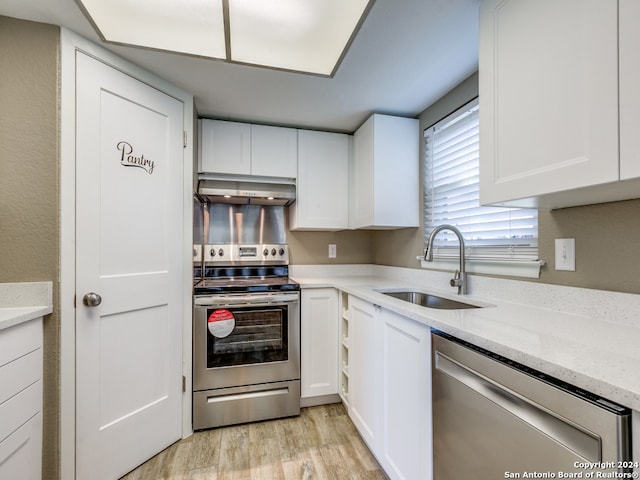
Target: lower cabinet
<point>20,452</point>
<point>406,397</point>
<point>21,401</point>
<point>319,342</point>
<point>390,388</point>
<point>365,379</point>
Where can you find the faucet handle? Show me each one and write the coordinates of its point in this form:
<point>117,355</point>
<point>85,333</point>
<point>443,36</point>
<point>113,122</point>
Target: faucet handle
<point>457,280</point>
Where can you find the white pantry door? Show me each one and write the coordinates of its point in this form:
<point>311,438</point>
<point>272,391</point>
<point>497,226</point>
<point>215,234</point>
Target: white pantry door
<point>129,179</point>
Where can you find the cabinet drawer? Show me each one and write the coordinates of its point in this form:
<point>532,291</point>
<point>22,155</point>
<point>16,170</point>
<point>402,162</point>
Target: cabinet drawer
<point>20,339</point>
<point>18,409</point>
<point>21,452</point>
<point>19,374</point>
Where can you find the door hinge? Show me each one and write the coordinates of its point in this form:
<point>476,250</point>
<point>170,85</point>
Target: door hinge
<point>74,301</point>
<point>184,384</point>
<point>184,138</point>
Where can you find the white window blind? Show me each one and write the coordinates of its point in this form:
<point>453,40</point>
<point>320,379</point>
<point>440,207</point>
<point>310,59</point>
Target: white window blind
<point>451,195</point>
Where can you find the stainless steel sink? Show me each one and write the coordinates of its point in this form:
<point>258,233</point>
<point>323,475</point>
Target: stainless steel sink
<point>430,301</point>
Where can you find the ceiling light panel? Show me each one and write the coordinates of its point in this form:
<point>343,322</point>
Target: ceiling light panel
<point>194,27</point>
<point>300,35</point>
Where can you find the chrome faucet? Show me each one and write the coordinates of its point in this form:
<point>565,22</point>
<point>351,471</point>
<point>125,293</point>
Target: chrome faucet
<point>460,277</point>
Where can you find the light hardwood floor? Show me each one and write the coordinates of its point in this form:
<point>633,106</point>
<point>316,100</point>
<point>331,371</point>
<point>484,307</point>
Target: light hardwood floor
<point>320,444</point>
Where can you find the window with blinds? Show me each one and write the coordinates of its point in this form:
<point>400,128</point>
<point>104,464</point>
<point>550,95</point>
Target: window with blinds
<point>451,196</point>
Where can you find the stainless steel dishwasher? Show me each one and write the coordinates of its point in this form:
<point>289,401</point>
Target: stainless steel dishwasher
<point>494,418</point>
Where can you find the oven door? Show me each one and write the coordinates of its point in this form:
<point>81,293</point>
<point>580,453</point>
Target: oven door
<point>245,339</point>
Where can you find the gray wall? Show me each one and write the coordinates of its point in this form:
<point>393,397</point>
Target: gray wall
<point>607,238</point>
<point>312,248</point>
<point>29,185</point>
<point>607,256</point>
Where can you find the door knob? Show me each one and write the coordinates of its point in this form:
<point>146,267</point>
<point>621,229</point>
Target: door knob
<point>92,299</point>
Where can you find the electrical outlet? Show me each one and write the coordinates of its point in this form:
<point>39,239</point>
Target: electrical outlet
<point>333,253</point>
<point>566,254</point>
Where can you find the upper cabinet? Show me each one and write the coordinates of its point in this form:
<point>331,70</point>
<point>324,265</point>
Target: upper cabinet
<point>244,149</point>
<point>274,151</point>
<point>323,182</point>
<point>365,180</point>
<point>384,181</point>
<point>225,147</point>
<point>549,130</point>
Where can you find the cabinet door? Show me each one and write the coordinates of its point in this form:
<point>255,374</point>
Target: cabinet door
<point>406,366</point>
<point>396,197</point>
<point>225,147</point>
<point>548,97</point>
<point>21,452</point>
<point>323,182</point>
<point>365,379</point>
<point>319,342</point>
<point>385,173</point>
<point>629,92</point>
<point>362,176</point>
<point>274,151</point>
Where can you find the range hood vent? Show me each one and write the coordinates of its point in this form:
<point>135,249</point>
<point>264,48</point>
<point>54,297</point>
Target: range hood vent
<point>247,192</point>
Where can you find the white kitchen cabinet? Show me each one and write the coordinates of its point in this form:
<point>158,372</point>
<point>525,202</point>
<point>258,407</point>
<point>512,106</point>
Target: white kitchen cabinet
<point>21,452</point>
<point>225,147</point>
<point>390,388</point>
<point>21,401</point>
<point>234,148</point>
<point>319,342</point>
<point>549,131</point>
<point>274,151</point>
<point>322,201</point>
<point>384,181</point>
<point>406,397</point>
<point>365,379</point>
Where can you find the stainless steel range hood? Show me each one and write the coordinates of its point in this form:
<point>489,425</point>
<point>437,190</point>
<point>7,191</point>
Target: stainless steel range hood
<point>247,192</point>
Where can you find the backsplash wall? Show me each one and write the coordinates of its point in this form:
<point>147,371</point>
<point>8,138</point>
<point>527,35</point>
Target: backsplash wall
<point>312,248</point>
<point>607,253</point>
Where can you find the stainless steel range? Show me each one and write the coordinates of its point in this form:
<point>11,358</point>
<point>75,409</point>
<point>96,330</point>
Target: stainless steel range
<point>246,328</point>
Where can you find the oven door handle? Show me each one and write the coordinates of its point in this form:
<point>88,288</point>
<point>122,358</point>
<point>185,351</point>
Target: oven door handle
<point>245,300</point>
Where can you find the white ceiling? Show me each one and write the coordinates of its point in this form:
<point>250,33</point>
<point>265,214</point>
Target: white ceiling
<point>407,54</point>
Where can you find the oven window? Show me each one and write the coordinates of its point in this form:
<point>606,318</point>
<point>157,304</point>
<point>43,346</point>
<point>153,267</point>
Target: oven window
<point>259,335</point>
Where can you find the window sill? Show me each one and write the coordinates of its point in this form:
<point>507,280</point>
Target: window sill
<point>511,268</point>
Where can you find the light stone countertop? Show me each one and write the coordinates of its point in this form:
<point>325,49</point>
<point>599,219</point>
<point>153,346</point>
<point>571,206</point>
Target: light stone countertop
<point>597,349</point>
<point>22,302</point>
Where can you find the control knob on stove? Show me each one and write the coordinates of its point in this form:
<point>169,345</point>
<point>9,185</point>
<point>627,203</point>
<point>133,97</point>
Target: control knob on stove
<point>266,252</point>
<point>221,252</point>
<point>281,251</point>
<point>213,252</point>
<point>273,252</point>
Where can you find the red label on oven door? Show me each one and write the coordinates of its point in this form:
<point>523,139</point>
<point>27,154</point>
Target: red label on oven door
<point>221,323</point>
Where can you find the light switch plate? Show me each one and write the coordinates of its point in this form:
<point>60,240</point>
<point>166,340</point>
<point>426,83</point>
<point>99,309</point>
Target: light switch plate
<point>332,250</point>
<point>566,254</point>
